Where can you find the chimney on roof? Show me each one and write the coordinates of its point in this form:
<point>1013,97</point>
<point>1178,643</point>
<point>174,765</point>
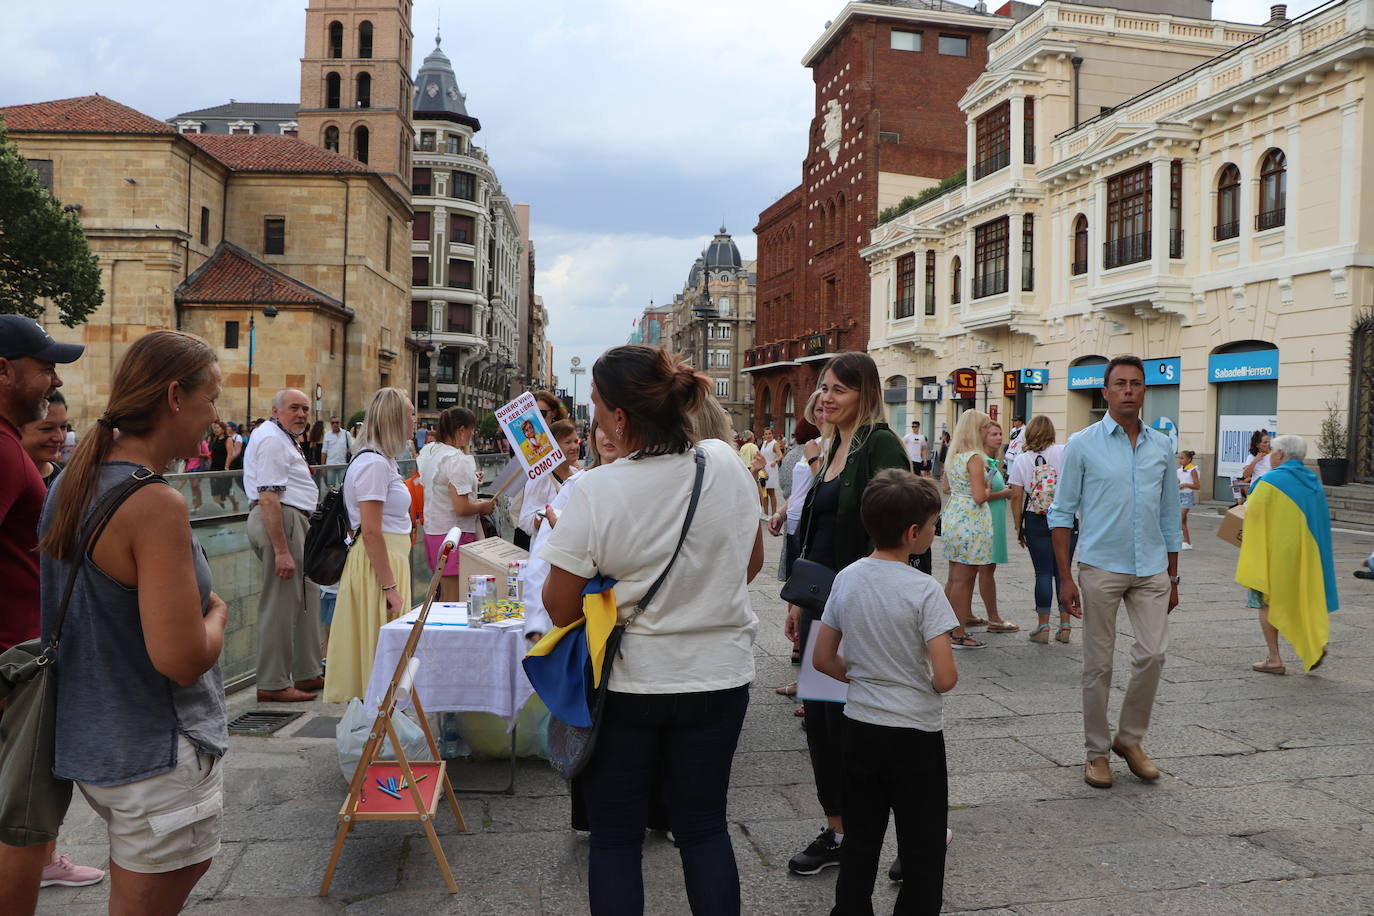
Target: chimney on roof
<point>1278,14</point>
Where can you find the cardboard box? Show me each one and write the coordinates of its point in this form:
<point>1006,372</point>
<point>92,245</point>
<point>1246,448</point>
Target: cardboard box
<point>489,557</point>
<point>1231,525</point>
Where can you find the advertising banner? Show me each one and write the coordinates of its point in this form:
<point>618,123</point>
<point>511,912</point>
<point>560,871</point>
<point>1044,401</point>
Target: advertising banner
<point>965,383</point>
<point>1034,379</point>
<point>1009,379</point>
<point>1259,365</point>
<point>1233,440</point>
<point>529,436</point>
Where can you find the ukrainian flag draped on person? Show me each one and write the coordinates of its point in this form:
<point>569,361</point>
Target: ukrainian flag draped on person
<point>1285,554</point>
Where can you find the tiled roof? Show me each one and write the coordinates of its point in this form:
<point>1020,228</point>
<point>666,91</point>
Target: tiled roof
<point>271,111</point>
<point>232,276</point>
<point>272,153</point>
<point>87,114</point>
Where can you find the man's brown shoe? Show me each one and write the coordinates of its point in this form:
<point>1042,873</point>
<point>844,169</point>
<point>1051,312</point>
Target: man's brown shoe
<point>1097,772</point>
<point>285,695</point>
<point>1141,765</point>
<point>315,683</point>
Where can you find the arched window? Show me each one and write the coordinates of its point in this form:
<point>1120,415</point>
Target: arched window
<point>766,407</point>
<point>1273,190</point>
<point>956,279</point>
<point>360,140</point>
<point>365,39</point>
<point>789,413</point>
<point>1080,245</point>
<point>336,40</point>
<point>1228,203</point>
<point>331,90</point>
<point>331,139</point>
<point>364,90</point>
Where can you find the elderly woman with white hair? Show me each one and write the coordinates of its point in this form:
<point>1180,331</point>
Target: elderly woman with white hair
<point>1285,557</point>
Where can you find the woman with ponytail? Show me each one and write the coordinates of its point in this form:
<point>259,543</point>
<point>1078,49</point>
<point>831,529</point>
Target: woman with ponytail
<point>140,703</point>
<point>679,690</point>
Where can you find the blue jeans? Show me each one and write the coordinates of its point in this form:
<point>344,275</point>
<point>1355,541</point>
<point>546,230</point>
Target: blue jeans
<point>1041,546</point>
<point>690,738</point>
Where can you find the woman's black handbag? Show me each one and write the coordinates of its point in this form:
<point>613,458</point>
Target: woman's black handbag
<point>808,587</point>
<point>328,537</point>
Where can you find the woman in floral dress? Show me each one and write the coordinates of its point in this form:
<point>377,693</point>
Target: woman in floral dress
<point>966,522</point>
<point>997,501</point>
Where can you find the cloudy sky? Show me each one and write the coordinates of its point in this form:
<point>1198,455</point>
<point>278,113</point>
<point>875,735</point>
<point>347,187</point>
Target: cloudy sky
<point>633,128</point>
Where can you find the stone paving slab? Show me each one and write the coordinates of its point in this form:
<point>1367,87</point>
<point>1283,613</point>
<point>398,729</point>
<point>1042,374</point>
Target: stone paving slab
<point>1266,806</point>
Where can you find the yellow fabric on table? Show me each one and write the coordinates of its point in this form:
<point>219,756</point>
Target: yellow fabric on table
<point>359,613</point>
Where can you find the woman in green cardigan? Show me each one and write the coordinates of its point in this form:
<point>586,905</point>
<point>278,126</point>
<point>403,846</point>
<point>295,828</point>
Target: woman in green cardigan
<point>859,446</point>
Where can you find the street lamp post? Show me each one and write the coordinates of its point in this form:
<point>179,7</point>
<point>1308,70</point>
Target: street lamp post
<point>575,369</point>
<point>702,312</point>
<point>261,290</point>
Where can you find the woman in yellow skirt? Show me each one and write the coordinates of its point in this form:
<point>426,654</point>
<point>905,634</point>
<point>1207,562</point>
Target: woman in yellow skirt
<point>375,587</point>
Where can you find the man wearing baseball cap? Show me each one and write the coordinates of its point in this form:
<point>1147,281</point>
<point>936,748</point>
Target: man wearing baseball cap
<point>28,376</point>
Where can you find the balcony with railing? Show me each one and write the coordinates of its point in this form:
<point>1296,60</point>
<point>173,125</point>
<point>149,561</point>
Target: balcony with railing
<point>994,163</point>
<point>989,283</point>
<point>1269,219</point>
<point>1223,231</point>
<point>1079,267</point>
<point>1129,249</point>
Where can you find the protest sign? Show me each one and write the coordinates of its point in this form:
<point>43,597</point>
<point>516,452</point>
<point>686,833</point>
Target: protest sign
<point>529,436</point>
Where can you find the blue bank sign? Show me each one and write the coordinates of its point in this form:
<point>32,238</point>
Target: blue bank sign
<point>1157,372</point>
<point>1034,379</point>
<point>1260,365</point>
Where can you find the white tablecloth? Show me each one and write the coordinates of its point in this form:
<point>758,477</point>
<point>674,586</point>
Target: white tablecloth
<point>461,669</point>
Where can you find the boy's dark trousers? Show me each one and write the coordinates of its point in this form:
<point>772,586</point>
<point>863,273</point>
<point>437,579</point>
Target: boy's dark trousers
<point>902,770</point>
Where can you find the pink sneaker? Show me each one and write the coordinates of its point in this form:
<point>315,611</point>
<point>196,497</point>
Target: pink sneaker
<point>62,870</point>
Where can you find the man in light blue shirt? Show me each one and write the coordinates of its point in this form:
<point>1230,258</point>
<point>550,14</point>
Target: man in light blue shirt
<point>1118,479</point>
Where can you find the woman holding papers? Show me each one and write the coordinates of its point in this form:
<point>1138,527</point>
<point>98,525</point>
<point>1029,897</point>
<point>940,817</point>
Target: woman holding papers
<point>375,586</point>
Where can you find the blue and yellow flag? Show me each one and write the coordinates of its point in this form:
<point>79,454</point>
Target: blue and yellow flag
<point>1285,554</point>
<point>567,663</point>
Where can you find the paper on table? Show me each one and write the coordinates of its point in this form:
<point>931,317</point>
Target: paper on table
<point>811,684</point>
<point>441,611</point>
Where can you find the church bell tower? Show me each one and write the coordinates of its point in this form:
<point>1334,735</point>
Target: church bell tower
<point>356,89</point>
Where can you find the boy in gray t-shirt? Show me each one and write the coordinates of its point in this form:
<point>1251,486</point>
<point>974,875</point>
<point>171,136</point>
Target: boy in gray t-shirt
<point>895,622</point>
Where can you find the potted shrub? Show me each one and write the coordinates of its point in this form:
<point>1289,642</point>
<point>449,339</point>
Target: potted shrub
<point>1332,441</point>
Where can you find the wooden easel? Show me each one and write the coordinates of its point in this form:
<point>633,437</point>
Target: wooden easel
<point>419,780</point>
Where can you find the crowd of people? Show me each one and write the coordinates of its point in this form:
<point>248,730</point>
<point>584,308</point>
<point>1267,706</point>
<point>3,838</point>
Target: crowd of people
<point>140,718</point>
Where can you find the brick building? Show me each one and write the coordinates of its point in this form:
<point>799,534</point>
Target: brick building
<point>887,125</point>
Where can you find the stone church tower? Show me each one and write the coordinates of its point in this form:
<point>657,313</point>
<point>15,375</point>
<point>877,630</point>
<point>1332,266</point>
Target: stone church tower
<point>356,89</point>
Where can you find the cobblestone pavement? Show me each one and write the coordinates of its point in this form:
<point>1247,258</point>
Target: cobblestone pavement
<point>1266,805</point>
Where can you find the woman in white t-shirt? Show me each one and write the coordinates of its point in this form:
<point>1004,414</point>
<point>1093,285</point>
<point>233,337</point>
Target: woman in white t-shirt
<point>375,586</point>
<point>449,476</point>
<point>680,688</point>
<point>1031,492</point>
<point>771,451</point>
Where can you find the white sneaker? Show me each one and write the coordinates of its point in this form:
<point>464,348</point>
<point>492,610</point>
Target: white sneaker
<point>1187,546</point>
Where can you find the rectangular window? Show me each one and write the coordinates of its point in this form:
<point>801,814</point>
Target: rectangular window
<point>419,271</point>
<point>240,130</point>
<point>43,169</point>
<point>905,41</point>
<point>448,365</point>
<point>459,318</point>
<point>1128,218</point>
<point>930,282</point>
<point>723,389</point>
<point>231,335</point>
<point>419,315</point>
<point>332,331</point>
<point>1027,253</point>
<point>954,45</point>
<point>455,144</point>
<point>1028,127</point>
<point>723,332</point>
<point>426,141</point>
<point>420,182</point>
<point>990,258</point>
<point>464,186</point>
<point>905,306</point>
<point>205,225</point>
<point>274,235</point>
<point>992,144</point>
<point>460,228</point>
<point>422,376</point>
<point>1176,208</point>
<point>722,359</point>
<point>459,274</point>
<point>387,256</point>
<point>420,229</point>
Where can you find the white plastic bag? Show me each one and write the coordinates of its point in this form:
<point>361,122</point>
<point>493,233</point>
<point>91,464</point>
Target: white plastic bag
<point>351,736</point>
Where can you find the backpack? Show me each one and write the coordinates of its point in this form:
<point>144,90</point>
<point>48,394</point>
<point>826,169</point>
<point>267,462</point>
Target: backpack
<point>328,538</point>
<point>1044,481</point>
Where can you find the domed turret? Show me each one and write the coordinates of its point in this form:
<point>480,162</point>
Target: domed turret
<point>722,254</point>
<point>437,97</point>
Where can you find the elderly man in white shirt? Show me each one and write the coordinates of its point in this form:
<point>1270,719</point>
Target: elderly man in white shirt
<point>277,480</point>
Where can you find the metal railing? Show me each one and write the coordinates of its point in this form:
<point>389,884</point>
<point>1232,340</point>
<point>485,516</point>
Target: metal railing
<point>994,163</point>
<point>1269,219</point>
<point>1175,243</point>
<point>1129,249</point>
<point>1223,231</point>
<point>1079,267</point>
<point>990,283</point>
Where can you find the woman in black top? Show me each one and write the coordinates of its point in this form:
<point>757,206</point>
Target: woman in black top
<point>219,460</point>
<point>831,533</point>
